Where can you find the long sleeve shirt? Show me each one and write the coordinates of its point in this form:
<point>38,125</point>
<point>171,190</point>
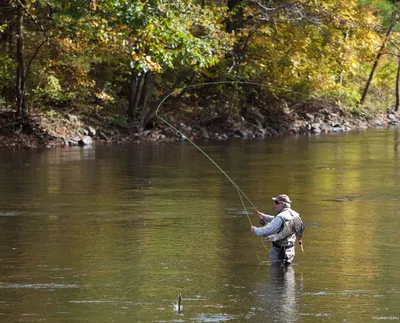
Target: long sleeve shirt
<point>272,227</point>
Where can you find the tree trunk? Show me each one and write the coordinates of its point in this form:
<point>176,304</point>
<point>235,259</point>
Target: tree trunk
<point>139,91</point>
<point>237,19</point>
<point>138,96</point>
<point>20,82</point>
<point>146,89</point>
<point>376,62</point>
<point>131,95</point>
<point>151,113</point>
<point>7,17</point>
<point>397,106</point>
<point>342,57</point>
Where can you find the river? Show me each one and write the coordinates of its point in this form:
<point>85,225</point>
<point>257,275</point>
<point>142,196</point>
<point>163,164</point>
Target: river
<point>113,233</point>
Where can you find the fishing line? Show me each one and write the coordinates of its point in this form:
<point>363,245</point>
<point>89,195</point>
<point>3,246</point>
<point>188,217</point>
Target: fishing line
<point>204,153</point>
<point>248,217</point>
<point>240,192</point>
<point>245,210</point>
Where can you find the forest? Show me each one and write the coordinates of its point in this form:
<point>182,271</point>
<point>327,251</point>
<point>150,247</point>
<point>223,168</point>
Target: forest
<point>117,59</point>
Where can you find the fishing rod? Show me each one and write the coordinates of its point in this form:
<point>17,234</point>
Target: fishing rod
<point>240,192</point>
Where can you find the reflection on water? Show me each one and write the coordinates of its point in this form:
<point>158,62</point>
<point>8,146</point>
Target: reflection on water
<point>280,295</point>
<point>283,293</point>
<point>114,233</point>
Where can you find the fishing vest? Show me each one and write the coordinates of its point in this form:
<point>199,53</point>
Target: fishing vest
<point>286,234</point>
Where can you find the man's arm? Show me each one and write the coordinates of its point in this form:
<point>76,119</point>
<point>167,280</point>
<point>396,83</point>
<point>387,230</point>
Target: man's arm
<point>265,217</point>
<point>271,228</point>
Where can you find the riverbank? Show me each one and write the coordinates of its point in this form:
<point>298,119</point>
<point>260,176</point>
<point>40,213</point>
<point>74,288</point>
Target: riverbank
<point>51,129</point>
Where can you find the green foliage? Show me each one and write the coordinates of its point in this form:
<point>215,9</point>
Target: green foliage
<point>120,120</point>
<point>52,92</point>
<point>344,97</point>
<point>331,55</point>
<point>387,12</point>
<point>94,45</point>
<point>170,34</point>
<point>129,12</point>
<point>51,114</point>
<point>7,67</point>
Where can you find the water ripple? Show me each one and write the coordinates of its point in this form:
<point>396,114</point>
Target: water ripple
<point>37,286</point>
<point>214,318</point>
<point>8,214</point>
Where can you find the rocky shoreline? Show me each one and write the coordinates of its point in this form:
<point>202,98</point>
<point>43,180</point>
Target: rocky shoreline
<point>323,121</point>
<point>85,130</point>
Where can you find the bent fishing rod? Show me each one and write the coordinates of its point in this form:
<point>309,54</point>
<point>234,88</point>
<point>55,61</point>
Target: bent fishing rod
<point>240,192</point>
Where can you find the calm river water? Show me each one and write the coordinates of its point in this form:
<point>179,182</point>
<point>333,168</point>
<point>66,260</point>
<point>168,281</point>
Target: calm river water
<point>114,233</point>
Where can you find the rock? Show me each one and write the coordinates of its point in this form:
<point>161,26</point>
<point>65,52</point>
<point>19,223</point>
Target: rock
<point>72,142</point>
<point>259,134</point>
<point>85,141</point>
<point>272,131</point>
<point>326,128</point>
<point>51,144</point>
<point>261,130</point>
<point>103,136</point>
<point>255,115</point>
<point>169,140</point>
<point>204,133</point>
<point>241,133</point>
<point>72,118</point>
<point>146,133</point>
<point>309,117</point>
<point>303,131</point>
<point>325,111</point>
<point>91,131</point>
<point>337,128</point>
<point>315,129</point>
<point>187,129</point>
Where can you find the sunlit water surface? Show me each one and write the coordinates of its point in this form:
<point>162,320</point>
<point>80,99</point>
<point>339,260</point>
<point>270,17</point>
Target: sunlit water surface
<point>114,233</point>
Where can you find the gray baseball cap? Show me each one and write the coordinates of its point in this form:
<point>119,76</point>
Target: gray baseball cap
<point>282,198</point>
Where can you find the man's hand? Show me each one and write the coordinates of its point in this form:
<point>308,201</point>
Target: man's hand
<point>261,215</point>
<point>252,228</point>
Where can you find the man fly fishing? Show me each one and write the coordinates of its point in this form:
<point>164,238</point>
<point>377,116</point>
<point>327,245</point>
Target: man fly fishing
<point>282,230</point>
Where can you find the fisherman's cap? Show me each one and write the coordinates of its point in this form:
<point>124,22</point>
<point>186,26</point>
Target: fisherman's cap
<point>282,198</point>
